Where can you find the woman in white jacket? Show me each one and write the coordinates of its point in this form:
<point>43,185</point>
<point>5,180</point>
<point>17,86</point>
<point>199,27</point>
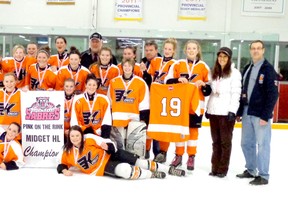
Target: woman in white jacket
<point>222,106</point>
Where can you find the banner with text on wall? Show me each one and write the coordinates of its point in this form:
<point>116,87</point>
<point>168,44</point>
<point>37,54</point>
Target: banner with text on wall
<point>61,2</point>
<point>128,10</point>
<point>192,10</point>
<point>264,8</point>
<point>42,127</point>
<point>5,1</point>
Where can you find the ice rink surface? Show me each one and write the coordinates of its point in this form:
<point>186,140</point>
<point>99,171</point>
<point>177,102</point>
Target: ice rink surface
<point>41,191</point>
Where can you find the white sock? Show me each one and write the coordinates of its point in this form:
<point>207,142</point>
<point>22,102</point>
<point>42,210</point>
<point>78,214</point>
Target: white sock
<point>127,171</point>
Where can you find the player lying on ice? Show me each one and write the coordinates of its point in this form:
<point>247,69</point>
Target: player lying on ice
<point>95,155</point>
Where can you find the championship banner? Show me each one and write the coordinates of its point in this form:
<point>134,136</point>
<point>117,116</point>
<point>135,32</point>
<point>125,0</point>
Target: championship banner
<point>263,8</point>
<point>5,1</point>
<point>61,2</point>
<point>128,10</point>
<point>42,127</point>
<point>192,10</point>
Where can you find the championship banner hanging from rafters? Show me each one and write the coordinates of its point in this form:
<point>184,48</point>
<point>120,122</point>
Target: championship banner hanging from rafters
<point>5,1</point>
<point>130,10</point>
<point>264,8</point>
<point>192,10</point>
<point>61,2</point>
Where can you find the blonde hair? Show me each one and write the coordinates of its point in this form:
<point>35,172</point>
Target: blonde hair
<point>18,46</point>
<point>172,41</point>
<point>199,54</point>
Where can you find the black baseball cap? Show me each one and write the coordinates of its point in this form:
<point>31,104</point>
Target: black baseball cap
<point>96,35</point>
<point>227,51</point>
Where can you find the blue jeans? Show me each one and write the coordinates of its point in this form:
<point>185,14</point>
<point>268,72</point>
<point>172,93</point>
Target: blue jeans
<point>255,143</point>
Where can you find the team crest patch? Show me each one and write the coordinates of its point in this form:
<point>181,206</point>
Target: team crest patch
<point>261,79</point>
<point>42,109</point>
<point>170,88</point>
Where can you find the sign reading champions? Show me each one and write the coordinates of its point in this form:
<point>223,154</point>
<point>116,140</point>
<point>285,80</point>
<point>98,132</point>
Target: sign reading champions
<point>42,127</point>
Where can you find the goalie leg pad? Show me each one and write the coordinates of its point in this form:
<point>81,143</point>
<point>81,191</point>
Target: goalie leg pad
<point>136,138</point>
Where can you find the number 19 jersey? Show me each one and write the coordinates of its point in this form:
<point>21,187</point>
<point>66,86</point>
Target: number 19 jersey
<point>170,106</point>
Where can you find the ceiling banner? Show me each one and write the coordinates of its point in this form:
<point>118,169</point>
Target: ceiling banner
<point>192,10</point>
<point>263,7</point>
<point>5,1</point>
<point>61,2</point>
<point>128,10</point>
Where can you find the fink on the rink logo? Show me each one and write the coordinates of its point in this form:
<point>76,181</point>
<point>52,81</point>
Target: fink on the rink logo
<point>42,109</point>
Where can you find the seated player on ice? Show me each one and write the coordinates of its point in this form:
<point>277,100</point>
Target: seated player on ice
<point>95,155</point>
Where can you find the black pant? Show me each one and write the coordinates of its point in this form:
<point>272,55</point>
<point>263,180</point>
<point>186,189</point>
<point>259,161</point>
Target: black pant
<point>121,156</point>
<point>221,133</point>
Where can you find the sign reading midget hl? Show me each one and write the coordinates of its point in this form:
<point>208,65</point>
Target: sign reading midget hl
<point>42,114</point>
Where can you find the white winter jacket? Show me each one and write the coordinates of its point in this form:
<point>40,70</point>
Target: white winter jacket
<point>226,98</point>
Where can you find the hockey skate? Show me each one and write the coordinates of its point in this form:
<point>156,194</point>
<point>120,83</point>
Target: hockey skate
<point>177,161</point>
<point>176,172</point>
<point>158,174</point>
<point>190,162</point>
<point>161,157</point>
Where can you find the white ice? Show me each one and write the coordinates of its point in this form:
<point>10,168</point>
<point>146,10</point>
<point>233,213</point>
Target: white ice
<point>41,191</point>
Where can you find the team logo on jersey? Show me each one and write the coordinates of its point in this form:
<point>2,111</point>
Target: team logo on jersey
<point>87,116</point>
<point>86,161</point>
<point>122,95</point>
<point>7,110</point>
<point>77,84</point>
<point>34,84</point>
<point>66,118</point>
<point>22,74</point>
<point>42,109</point>
<point>159,77</point>
<point>191,78</point>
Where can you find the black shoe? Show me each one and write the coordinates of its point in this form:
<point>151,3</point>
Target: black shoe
<point>220,175</point>
<point>259,181</point>
<point>212,174</point>
<point>245,174</point>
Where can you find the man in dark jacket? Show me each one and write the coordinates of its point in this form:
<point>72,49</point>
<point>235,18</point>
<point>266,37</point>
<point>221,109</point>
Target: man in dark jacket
<point>90,56</point>
<point>258,98</point>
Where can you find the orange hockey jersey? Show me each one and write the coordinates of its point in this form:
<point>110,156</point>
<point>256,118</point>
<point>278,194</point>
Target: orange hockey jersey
<point>55,61</point>
<point>10,151</point>
<point>79,77</point>
<point>67,113</point>
<point>170,106</point>
<point>158,69</point>
<point>9,64</point>
<point>192,72</point>
<point>94,113</point>
<point>128,99</point>
<point>10,107</point>
<point>40,80</point>
<point>136,70</point>
<point>1,77</point>
<point>104,76</point>
<point>92,160</point>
